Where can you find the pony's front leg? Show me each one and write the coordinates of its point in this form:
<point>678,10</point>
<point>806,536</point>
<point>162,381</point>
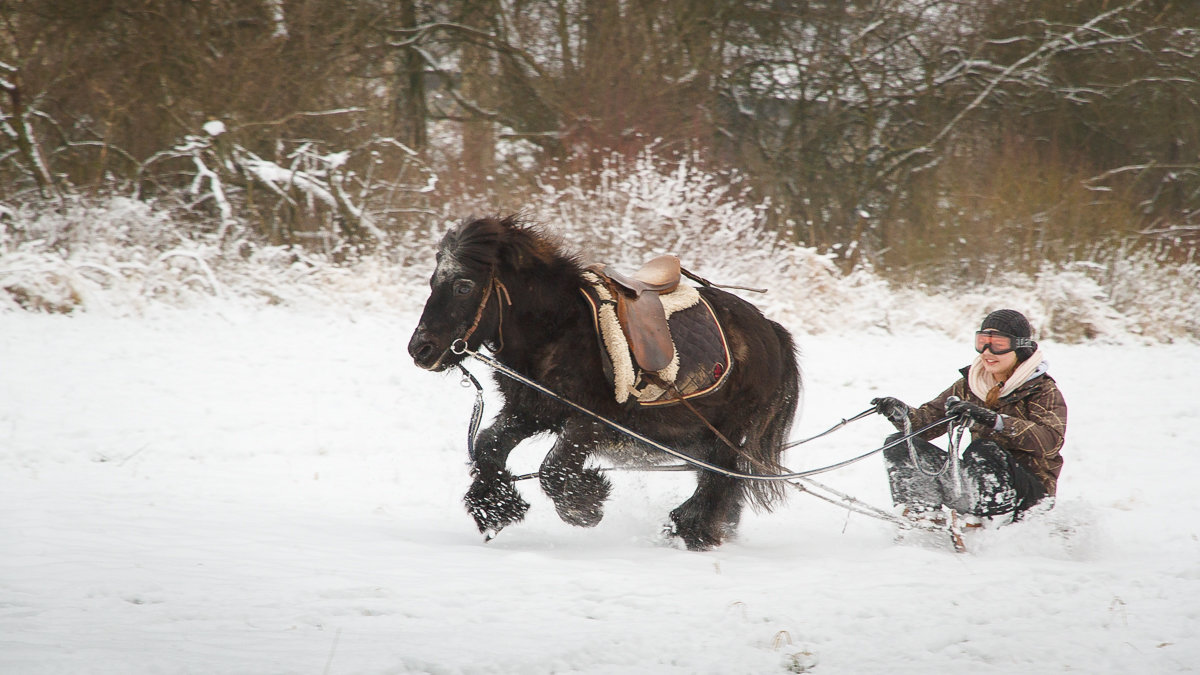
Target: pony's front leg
<point>578,493</point>
<point>493,500</point>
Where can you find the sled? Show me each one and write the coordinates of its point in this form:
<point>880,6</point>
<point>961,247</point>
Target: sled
<point>944,526</point>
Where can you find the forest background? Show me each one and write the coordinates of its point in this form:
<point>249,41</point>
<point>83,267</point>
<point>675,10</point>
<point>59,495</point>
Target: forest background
<point>952,147</point>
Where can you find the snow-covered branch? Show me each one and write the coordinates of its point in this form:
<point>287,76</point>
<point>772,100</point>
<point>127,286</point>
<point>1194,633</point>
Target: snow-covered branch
<point>321,188</point>
<point>1042,51</point>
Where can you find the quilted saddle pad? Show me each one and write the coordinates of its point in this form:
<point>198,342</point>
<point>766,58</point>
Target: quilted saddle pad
<point>702,360</point>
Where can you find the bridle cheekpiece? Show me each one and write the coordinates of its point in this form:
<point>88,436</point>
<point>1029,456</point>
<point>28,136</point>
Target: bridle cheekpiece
<point>501,290</point>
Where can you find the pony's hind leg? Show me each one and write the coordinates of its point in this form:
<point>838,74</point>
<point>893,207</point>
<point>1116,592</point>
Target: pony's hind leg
<point>578,493</point>
<point>710,515</point>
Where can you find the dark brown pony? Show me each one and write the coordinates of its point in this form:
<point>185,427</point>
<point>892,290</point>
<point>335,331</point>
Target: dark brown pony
<point>508,286</point>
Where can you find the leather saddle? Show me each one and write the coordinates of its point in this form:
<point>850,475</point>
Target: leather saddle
<point>640,311</point>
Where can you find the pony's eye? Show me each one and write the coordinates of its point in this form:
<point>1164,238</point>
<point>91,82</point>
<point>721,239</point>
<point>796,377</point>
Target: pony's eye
<point>463,287</point>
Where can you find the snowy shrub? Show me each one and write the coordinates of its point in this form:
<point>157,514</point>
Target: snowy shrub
<point>118,255</point>
<point>62,259</point>
<point>38,282</point>
<point>330,198</point>
<point>632,210</point>
<point>121,255</point>
<point>1073,306</point>
<point>1159,300</point>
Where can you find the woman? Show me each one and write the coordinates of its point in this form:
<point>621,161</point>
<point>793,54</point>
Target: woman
<point>1017,419</point>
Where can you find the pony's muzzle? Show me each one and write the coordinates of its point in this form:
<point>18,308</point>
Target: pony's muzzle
<point>425,351</point>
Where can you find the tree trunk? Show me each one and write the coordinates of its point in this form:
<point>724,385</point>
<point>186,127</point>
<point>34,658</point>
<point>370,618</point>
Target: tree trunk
<point>17,127</point>
<point>410,111</point>
<point>478,133</point>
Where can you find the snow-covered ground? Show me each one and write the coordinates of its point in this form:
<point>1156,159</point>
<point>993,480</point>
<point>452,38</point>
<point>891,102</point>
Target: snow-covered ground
<point>224,490</point>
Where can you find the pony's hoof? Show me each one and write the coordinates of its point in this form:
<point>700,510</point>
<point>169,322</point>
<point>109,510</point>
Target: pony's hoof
<point>667,538</point>
<point>580,516</point>
<point>579,497</point>
<point>495,504</point>
<point>693,535</point>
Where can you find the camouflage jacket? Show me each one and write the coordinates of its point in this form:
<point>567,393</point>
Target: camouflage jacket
<point>1034,424</point>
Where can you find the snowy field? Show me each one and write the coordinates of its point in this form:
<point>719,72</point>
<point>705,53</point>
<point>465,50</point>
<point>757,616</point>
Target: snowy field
<point>224,490</point>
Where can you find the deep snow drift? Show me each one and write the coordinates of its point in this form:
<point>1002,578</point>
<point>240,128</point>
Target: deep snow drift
<point>220,490</point>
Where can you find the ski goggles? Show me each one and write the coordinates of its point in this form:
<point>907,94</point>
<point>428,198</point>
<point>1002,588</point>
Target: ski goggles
<point>1001,343</point>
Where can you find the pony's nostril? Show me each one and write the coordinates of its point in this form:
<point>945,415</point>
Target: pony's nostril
<point>424,352</point>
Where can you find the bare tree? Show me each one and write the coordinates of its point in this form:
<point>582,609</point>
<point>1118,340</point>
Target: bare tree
<point>16,126</point>
<point>877,128</point>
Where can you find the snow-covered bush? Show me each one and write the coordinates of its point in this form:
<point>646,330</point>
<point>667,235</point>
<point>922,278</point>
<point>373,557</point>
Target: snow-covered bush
<point>1073,306</point>
<point>330,199</point>
<point>120,255</point>
<point>632,210</point>
<point>83,253</point>
<point>1160,300</point>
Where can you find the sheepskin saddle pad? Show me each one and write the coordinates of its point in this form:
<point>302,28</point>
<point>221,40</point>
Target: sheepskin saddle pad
<point>701,360</point>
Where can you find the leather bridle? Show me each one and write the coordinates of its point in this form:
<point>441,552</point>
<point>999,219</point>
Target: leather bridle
<point>500,289</point>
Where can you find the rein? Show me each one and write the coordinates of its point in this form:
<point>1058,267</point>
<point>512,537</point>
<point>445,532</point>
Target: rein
<point>954,438</point>
<point>741,453</point>
<point>469,379</point>
<point>476,410</point>
<point>830,430</point>
<point>460,347</point>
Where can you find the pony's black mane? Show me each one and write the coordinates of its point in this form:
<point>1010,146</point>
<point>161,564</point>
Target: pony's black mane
<point>484,243</point>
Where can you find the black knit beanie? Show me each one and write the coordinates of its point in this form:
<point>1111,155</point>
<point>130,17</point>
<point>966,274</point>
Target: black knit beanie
<point>1014,323</point>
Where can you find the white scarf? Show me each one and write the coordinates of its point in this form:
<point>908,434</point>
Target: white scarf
<point>981,381</point>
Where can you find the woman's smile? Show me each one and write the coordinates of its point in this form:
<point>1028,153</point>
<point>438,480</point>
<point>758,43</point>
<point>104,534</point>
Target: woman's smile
<point>1000,366</point>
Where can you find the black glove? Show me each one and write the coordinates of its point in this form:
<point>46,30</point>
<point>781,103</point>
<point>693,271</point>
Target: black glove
<point>974,413</point>
<point>892,408</point>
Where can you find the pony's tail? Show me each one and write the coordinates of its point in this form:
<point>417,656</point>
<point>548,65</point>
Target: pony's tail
<point>768,450</point>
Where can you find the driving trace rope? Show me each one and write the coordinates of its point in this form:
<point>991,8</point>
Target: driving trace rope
<point>807,485</point>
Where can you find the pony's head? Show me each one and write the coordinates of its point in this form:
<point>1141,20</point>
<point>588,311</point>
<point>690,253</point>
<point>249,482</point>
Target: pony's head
<point>467,297</point>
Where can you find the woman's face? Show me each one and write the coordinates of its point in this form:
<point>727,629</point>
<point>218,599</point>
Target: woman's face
<point>1000,366</point>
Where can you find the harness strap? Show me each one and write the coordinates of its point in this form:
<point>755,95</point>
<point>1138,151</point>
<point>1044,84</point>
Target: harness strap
<point>801,481</point>
<point>476,411</point>
<point>705,282</point>
<point>493,283</point>
<point>738,450</point>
